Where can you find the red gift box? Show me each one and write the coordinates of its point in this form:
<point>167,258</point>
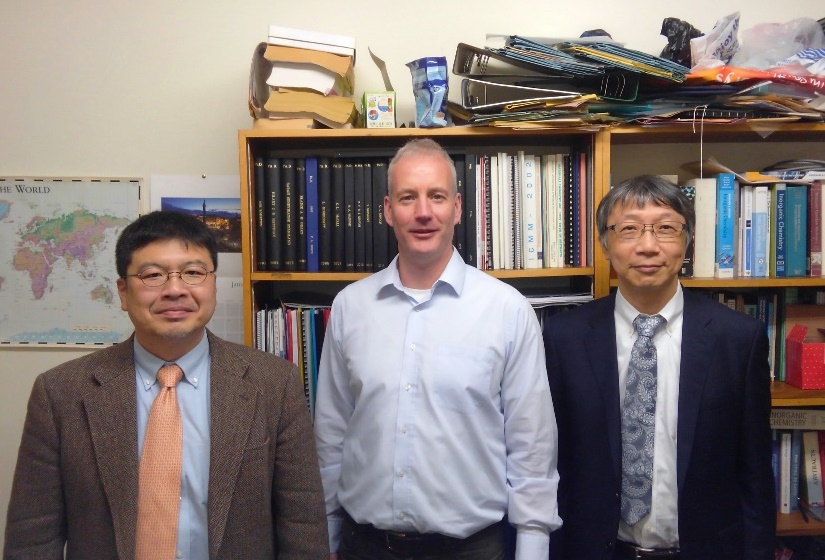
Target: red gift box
<point>805,358</point>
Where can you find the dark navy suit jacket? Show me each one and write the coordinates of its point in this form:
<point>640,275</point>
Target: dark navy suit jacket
<point>726,502</point>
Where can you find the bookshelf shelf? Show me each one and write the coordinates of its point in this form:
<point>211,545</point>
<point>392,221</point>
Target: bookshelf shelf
<point>261,287</point>
<point>617,154</point>
<point>783,394</point>
<point>793,525</point>
<point>738,283</point>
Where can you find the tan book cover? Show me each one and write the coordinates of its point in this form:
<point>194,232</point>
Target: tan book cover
<point>330,107</point>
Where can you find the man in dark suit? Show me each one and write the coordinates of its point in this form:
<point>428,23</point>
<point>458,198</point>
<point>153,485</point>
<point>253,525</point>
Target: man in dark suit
<point>250,485</point>
<point>708,477</point>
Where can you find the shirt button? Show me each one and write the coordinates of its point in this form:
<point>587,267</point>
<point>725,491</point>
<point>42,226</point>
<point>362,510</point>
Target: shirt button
<point>407,387</point>
<point>402,474</point>
<point>179,554</point>
<point>404,430</point>
<point>412,346</point>
<point>401,515</point>
<point>195,380</point>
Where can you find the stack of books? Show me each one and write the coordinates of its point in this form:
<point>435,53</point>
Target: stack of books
<point>310,78</point>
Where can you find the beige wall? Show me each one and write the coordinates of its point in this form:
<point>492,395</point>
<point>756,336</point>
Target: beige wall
<point>116,88</point>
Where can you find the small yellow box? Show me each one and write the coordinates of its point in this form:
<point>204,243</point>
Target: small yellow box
<point>379,109</point>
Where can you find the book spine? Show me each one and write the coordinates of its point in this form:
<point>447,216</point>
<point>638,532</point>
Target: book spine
<point>815,227</point>
<point>797,419</point>
<point>821,440</point>
<point>459,232</point>
<point>338,240</point>
<point>723,262</point>
<point>796,468</point>
<point>569,213</point>
<point>380,230</point>
<point>812,468</point>
<point>324,214</point>
<point>529,212</point>
<point>290,214</point>
<point>472,207</point>
<point>349,215</point>
<point>312,211</point>
<point>760,231</point>
<point>747,249</point>
<point>785,472</point>
<point>516,216</point>
<point>358,222</point>
<point>274,194</point>
<point>488,212</point>
<point>796,230</point>
<point>301,218</point>
<point>687,263</point>
<point>780,195</point>
<point>704,236</point>
<point>369,237</point>
<point>261,204</point>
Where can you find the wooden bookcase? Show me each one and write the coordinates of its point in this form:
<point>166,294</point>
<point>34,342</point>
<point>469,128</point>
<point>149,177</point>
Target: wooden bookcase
<point>617,154</point>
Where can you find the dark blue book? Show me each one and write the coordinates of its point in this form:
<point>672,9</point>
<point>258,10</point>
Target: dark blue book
<point>358,218</point>
<point>301,218</point>
<point>312,207</point>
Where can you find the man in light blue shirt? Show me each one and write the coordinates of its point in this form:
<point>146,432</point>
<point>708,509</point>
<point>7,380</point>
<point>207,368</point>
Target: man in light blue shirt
<point>434,419</point>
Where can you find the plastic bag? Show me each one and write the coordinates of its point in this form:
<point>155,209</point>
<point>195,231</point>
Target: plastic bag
<point>717,47</point>
<point>768,44</point>
<point>429,79</point>
<point>678,33</point>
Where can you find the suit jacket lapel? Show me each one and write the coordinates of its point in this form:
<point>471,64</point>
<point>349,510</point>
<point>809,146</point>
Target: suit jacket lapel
<point>112,415</point>
<point>601,352</point>
<point>233,404</point>
<point>695,365</point>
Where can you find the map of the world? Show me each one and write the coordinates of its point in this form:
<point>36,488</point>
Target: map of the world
<point>57,265</point>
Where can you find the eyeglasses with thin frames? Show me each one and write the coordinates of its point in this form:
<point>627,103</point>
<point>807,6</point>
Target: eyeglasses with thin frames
<point>665,230</point>
<point>156,277</point>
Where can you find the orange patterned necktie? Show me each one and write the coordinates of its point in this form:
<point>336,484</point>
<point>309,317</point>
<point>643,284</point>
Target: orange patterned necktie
<point>160,472</point>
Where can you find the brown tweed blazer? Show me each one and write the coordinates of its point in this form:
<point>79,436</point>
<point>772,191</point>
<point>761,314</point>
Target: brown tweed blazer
<point>76,481</point>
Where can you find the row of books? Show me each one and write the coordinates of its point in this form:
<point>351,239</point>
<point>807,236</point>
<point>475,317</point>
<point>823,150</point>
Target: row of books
<point>295,332</point>
<point>519,211</point>
<point>755,230</point>
<point>798,457</point>
<point>779,311</point>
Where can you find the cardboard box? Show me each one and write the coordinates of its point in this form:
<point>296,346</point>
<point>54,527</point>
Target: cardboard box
<point>379,109</point>
<point>805,357</point>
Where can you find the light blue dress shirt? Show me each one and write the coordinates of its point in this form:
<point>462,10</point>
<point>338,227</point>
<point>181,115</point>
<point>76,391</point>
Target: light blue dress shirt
<point>435,415</point>
<point>193,399</point>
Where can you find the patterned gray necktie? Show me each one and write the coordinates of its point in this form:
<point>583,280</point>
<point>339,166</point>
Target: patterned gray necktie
<point>639,421</point>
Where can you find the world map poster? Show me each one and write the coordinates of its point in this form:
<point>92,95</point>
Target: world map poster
<point>57,260</point>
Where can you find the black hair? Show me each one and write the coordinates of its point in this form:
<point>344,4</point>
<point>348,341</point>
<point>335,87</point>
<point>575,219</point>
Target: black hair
<point>639,191</point>
<point>162,225</point>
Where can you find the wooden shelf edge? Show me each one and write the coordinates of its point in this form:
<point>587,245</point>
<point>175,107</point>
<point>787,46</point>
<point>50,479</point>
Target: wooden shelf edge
<point>732,283</point>
<point>783,395</point>
<point>792,525</point>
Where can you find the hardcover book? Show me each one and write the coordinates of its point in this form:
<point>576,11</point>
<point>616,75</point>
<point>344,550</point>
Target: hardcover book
<point>705,236</point>
<point>725,221</point>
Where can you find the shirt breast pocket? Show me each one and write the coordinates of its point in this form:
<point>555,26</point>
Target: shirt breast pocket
<point>461,377</point>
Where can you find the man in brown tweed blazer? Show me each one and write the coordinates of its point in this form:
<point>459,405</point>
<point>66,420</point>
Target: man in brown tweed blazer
<point>250,483</point>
